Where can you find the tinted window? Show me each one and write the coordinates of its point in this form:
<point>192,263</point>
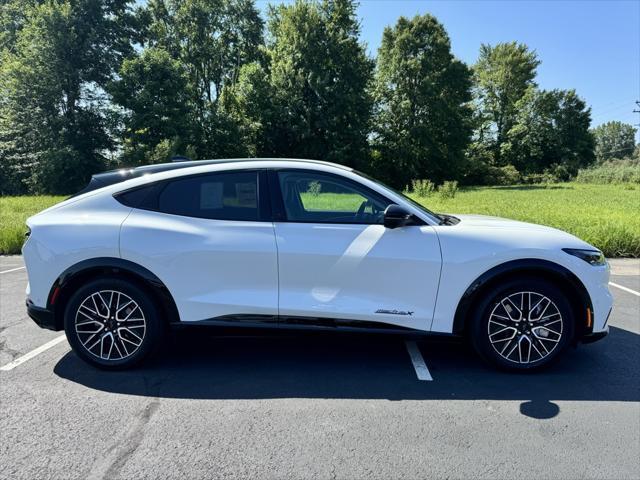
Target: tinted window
<point>220,196</point>
<point>135,197</point>
<point>323,198</point>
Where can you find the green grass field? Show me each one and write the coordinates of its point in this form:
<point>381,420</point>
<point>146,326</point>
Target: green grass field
<point>13,213</point>
<point>607,216</point>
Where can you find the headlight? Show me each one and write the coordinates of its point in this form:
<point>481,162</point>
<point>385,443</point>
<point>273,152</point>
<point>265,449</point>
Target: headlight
<point>592,257</point>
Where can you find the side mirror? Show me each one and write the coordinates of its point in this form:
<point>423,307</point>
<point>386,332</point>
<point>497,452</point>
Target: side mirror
<point>395,216</point>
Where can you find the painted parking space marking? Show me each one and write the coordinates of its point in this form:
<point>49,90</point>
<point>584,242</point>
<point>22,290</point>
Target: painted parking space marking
<point>621,287</point>
<point>33,353</point>
<point>419,365</point>
<point>12,270</point>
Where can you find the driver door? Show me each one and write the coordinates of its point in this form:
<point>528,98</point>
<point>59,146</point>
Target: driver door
<point>336,260</point>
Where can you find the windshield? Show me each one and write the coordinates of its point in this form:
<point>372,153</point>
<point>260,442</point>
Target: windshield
<point>437,218</point>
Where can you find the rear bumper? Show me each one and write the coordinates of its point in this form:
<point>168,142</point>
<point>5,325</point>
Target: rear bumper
<point>43,317</point>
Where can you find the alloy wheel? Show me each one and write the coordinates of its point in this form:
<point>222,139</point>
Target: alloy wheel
<point>525,327</point>
<point>110,325</point>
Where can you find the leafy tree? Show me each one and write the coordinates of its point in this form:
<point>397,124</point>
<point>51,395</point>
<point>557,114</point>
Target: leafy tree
<point>614,140</point>
<point>249,105</point>
<point>423,117</point>
<point>52,114</point>
<point>551,132</point>
<point>153,90</point>
<point>212,39</point>
<point>311,98</point>
<point>12,18</point>
<point>503,74</point>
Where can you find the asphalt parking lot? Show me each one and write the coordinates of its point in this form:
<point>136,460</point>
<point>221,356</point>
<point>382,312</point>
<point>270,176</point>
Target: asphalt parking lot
<point>322,406</point>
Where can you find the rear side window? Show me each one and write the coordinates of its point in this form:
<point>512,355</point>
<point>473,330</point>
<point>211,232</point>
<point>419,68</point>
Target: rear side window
<point>217,196</point>
<point>135,197</point>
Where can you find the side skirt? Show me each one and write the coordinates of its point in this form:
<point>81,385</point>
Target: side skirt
<point>291,323</point>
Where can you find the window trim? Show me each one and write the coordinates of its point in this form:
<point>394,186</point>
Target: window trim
<point>277,199</point>
<point>155,189</point>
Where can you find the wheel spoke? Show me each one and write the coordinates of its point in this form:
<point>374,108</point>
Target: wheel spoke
<point>124,339</point>
<point>515,332</point>
<point>510,307</point>
<point>533,345</point>
<point>515,345</point>
<point>540,336</point>
<point>130,333</point>
<point>115,344</point>
<point>125,306</point>
<point>524,339</point>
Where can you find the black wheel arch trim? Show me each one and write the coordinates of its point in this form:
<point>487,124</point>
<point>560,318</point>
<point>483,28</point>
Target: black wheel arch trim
<point>524,266</point>
<point>94,267</point>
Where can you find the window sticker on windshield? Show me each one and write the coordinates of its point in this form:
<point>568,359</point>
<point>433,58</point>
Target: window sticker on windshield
<point>246,194</point>
<point>211,196</point>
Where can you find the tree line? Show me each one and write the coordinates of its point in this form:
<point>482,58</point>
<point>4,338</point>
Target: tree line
<point>87,85</point>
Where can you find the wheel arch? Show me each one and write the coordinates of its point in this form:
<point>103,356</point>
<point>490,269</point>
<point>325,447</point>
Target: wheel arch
<point>87,270</point>
<point>575,290</point>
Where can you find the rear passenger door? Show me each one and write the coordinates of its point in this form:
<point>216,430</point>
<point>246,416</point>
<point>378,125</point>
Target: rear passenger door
<point>209,238</point>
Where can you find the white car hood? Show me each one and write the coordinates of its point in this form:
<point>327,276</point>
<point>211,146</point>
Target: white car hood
<point>485,221</point>
<point>508,234</point>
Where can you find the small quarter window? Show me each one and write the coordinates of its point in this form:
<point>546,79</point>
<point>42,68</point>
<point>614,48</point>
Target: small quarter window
<point>134,197</point>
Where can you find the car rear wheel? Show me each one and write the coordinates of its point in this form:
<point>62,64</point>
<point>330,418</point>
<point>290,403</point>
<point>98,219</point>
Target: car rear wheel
<point>112,323</point>
<point>523,325</point>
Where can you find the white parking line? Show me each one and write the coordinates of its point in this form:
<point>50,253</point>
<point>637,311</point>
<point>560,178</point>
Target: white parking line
<point>633,292</point>
<point>32,353</point>
<point>418,362</point>
<point>12,270</point>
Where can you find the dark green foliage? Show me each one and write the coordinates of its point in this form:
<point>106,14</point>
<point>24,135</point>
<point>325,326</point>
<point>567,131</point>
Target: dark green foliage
<point>503,74</point>
<point>423,116</point>
<point>310,97</point>
<point>153,90</point>
<point>211,40</point>
<point>550,133</point>
<point>52,113</point>
<point>92,84</point>
<point>612,171</point>
<point>614,140</point>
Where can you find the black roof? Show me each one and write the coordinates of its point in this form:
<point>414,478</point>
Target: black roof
<point>111,177</point>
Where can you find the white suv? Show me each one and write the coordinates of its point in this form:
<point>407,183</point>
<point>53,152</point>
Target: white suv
<point>300,244</point>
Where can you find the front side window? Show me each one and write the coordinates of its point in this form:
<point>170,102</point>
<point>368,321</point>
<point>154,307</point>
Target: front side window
<point>316,197</point>
<point>218,196</point>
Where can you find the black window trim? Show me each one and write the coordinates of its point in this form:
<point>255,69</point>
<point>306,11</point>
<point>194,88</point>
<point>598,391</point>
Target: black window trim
<point>277,201</point>
<point>155,189</point>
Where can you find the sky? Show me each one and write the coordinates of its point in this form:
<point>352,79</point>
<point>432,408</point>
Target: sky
<point>590,46</point>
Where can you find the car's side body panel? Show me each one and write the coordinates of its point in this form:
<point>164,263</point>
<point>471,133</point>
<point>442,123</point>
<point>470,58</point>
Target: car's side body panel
<point>68,235</point>
<point>212,268</point>
<point>359,272</point>
<point>497,241</point>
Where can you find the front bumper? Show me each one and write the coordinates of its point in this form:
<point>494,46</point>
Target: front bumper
<point>594,337</point>
<point>43,317</point>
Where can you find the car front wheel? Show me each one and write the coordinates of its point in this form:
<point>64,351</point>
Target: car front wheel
<point>523,325</point>
<point>112,323</point>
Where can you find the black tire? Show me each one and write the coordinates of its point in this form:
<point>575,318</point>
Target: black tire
<point>539,341</point>
<point>116,335</point>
